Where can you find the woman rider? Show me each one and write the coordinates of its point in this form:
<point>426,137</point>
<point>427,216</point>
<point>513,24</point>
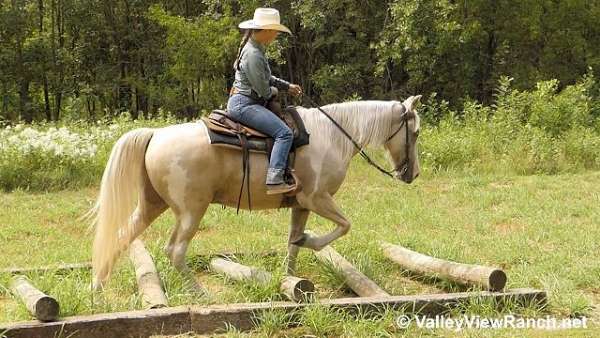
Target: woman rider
<point>252,89</point>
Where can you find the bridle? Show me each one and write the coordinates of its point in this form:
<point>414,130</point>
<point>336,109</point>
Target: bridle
<point>402,168</point>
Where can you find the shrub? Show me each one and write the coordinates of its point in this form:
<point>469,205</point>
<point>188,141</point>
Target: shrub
<point>540,131</point>
<point>47,156</point>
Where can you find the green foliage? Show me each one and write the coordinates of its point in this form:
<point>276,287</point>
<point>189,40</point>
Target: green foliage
<point>199,52</point>
<point>84,60</point>
<point>343,77</point>
<point>541,131</point>
<point>461,49</point>
<point>421,37</point>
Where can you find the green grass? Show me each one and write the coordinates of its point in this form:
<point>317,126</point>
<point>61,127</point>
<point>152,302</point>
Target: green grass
<point>543,230</point>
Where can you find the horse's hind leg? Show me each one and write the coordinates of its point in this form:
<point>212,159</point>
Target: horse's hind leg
<point>149,207</point>
<point>142,217</point>
<point>297,226</point>
<point>185,229</point>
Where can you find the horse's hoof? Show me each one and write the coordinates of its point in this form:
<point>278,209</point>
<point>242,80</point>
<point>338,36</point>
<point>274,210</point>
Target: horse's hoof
<point>96,286</point>
<point>301,241</point>
<point>319,247</point>
<point>196,289</point>
<point>310,241</point>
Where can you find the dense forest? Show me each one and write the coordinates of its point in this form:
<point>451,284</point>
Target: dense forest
<point>93,59</point>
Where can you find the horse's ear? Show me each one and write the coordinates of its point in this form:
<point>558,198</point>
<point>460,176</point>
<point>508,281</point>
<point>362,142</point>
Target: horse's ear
<point>412,101</point>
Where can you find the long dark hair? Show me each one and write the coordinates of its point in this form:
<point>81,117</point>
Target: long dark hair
<point>247,34</point>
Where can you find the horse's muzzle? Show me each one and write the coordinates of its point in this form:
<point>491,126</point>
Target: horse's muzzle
<point>405,175</point>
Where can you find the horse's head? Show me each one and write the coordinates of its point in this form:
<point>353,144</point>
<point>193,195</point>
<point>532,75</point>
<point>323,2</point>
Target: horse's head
<point>402,144</point>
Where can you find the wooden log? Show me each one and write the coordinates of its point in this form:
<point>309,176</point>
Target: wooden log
<point>139,323</point>
<point>294,288</point>
<point>40,305</point>
<point>297,289</point>
<point>216,318</point>
<point>239,272</point>
<point>489,278</point>
<point>356,280</point>
<point>45,269</point>
<point>147,277</point>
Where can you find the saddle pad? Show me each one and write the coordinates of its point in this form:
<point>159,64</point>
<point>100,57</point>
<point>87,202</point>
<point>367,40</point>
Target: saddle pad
<point>255,144</point>
<point>224,131</point>
<point>219,117</point>
<point>217,127</point>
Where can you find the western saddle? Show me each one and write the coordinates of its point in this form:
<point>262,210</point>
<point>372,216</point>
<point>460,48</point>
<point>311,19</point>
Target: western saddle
<point>226,132</point>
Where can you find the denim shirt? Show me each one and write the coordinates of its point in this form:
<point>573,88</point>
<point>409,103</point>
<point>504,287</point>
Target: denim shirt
<point>254,77</point>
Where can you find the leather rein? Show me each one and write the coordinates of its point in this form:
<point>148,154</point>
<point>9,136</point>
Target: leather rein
<point>402,168</point>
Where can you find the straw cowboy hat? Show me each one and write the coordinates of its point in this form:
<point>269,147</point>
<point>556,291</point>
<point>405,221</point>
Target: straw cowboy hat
<point>265,18</point>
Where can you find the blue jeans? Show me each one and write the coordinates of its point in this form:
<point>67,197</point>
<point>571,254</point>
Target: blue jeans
<point>252,114</point>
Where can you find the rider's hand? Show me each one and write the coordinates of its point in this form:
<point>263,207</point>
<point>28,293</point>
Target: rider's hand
<point>295,90</point>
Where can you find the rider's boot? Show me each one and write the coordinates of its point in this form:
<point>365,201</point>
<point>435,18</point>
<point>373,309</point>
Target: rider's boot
<point>275,182</point>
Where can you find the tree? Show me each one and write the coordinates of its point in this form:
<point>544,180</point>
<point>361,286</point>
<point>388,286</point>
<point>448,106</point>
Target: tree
<point>200,52</point>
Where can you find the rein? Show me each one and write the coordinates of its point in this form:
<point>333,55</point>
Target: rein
<point>403,168</point>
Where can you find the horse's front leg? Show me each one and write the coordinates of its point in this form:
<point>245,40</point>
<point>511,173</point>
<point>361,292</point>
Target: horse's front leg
<point>297,225</point>
<point>325,206</point>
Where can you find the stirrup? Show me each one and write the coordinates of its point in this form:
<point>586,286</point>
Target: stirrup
<point>291,178</point>
<point>290,186</point>
<point>282,188</point>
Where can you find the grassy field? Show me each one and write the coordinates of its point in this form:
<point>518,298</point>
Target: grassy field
<point>543,230</point>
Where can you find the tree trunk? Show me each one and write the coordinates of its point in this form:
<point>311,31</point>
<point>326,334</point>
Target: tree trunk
<point>187,9</point>
<point>47,110</point>
<point>23,80</point>
<point>125,89</point>
<point>288,56</point>
<point>193,94</point>
<point>142,101</point>
<point>25,101</point>
<point>44,76</point>
<point>5,112</point>
<point>134,102</point>
<point>118,90</point>
<point>58,26</point>
<point>486,85</point>
<point>91,107</point>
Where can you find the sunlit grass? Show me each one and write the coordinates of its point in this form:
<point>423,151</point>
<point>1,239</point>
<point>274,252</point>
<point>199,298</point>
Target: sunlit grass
<point>541,229</point>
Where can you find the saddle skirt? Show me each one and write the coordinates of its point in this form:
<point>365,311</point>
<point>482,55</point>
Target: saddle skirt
<point>224,131</point>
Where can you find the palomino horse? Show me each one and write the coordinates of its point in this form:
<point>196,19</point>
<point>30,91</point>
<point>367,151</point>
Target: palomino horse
<point>150,170</point>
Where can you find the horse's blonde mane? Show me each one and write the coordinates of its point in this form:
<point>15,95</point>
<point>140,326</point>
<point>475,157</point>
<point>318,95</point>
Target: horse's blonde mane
<point>368,122</point>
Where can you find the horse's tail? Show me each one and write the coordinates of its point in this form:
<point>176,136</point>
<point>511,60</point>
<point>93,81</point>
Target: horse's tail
<point>116,202</point>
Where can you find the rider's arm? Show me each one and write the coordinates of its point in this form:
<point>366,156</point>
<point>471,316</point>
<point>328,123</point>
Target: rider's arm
<point>258,74</point>
<point>279,83</point>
